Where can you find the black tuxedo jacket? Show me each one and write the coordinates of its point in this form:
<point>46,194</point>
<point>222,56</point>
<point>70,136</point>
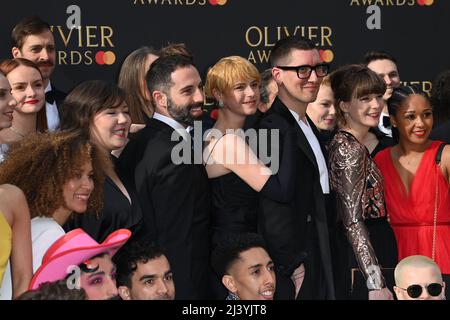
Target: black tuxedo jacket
<point>293,228</point>
<point>176,206</point>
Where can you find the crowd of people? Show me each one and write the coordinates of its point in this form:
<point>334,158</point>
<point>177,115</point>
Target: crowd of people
<point>301,183</point>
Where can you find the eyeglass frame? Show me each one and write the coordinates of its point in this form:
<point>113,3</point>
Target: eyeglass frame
<point>312,68</point>
<point>421,288</point>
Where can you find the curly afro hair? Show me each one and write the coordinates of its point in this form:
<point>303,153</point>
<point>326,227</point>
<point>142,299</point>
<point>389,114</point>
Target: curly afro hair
<point>41,164</point>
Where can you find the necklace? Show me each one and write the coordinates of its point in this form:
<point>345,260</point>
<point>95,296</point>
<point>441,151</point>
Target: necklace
<point>17,132</point>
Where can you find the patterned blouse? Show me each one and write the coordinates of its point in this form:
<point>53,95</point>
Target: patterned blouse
<point>358,185</point>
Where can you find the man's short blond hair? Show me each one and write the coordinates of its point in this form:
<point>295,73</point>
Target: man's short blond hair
<point>416,261</point>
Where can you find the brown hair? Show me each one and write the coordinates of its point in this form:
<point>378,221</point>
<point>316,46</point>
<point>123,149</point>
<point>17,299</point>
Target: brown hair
<point>8,65</point>
<point>85,101</point>
<point>353,81</point>
<point>41,164</point>
<point>176,49</point>
<point>132,81</point>
<point>54,291</point>
<point>27,26</point>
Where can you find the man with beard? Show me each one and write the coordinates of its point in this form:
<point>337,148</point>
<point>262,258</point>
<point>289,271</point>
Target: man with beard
<point>385,66</point>
<point>32,39</point>
<point>143,273</point>
<point>174,193</point>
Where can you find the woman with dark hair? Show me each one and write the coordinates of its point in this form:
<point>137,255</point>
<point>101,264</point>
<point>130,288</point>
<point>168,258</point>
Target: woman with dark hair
<point>417,191</point>
<point>440,100</point>
<point>365,241</point>
<point>98,109</point>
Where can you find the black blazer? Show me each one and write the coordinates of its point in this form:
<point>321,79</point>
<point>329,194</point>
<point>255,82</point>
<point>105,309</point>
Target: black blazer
<point>286,227</point>
<point>176,206</point>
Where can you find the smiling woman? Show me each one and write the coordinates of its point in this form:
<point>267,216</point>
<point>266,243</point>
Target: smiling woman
<point>67,168</point>
<point>99,110</point>
<point>417,196</point>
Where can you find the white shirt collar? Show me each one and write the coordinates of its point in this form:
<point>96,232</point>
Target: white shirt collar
<point>297,117</point>
<point>48,87</point>
<point>172,123</point>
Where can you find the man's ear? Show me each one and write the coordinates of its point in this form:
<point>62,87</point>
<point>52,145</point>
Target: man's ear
<point>397,292</point>
<point>16,52</point>
<point>160,99</point>
<point>228,282</point>
<point>124,292</point>
<point>276,75</point>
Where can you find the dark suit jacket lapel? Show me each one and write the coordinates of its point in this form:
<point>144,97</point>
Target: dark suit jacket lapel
<point>302,142</point>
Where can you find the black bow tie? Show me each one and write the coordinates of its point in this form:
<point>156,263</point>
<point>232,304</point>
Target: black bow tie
<point>50,96</point>
<point>386,122</point>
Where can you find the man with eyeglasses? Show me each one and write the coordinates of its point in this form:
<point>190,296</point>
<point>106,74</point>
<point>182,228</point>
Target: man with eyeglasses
<point>296,232</point>
<point>418,278</point>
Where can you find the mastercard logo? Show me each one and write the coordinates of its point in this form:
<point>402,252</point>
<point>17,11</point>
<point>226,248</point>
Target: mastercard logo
<point>217,2</point>
<point>105,57</point>
<point>425,2</point>
<point>326,55</point>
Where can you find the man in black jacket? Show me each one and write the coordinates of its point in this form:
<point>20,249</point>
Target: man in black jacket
<point>296,232</point>
<point>173,190</point>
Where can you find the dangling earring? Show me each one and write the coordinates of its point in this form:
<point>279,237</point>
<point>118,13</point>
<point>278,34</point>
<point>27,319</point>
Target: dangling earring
<point>220,104</point>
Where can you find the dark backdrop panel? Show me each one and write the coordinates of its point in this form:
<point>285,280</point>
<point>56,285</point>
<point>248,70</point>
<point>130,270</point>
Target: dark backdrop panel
<point>417,35</point>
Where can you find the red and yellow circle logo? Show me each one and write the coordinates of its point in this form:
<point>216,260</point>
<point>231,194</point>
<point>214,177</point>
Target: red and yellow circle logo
<point>105,57</point>
<point>425,2</point>
<point>217,2</point>
<point>326,55</point>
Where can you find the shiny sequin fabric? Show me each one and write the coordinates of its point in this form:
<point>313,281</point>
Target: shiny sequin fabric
<point>358,185</point>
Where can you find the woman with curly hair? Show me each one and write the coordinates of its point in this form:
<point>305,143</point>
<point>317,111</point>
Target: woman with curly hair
<point>99,110</point>
<point>57,173</point>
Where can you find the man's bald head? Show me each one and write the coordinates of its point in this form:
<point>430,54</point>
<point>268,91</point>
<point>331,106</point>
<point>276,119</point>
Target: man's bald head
<point>417,270</point>
<point>415,262</point>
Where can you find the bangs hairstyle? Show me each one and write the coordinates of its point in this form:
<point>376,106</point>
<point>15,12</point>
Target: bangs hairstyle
<point>354,82</point>
<point>41,164</point>
<point>227,71</point>
<point>85,101</point>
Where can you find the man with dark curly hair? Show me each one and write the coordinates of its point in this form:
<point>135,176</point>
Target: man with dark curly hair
<point>143,273</point>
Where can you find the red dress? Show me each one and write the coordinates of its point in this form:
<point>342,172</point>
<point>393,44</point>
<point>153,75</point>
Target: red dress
<point>411,216</point>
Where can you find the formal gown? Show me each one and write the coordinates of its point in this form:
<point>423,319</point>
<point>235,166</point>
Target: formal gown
<point>364,239</point>
<point>412,213</point>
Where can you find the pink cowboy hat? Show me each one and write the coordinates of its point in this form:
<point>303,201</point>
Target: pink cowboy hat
<point>72,249</point>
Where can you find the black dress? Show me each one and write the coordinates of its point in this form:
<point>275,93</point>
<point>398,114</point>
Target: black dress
<point>117,212</point>
<point>234,207</point>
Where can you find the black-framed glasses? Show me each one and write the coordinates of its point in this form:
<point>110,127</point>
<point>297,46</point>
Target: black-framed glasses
<point>304,71</point>
<point>415,290</point>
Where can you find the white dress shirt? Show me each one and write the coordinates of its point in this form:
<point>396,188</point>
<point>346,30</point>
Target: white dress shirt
<point>315,146</point>
<point>52,112</point>
<point>382,128</point>
<point>182,131</point>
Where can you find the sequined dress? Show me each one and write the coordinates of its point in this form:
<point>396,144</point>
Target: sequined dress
<point>365,241</point>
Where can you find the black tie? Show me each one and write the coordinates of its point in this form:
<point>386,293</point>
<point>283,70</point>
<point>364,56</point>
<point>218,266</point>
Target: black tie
<point>386,122</point>
<point>50,96</point>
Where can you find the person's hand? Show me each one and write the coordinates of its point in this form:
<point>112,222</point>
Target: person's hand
<point>382,294</point>
<point>297,277</point>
